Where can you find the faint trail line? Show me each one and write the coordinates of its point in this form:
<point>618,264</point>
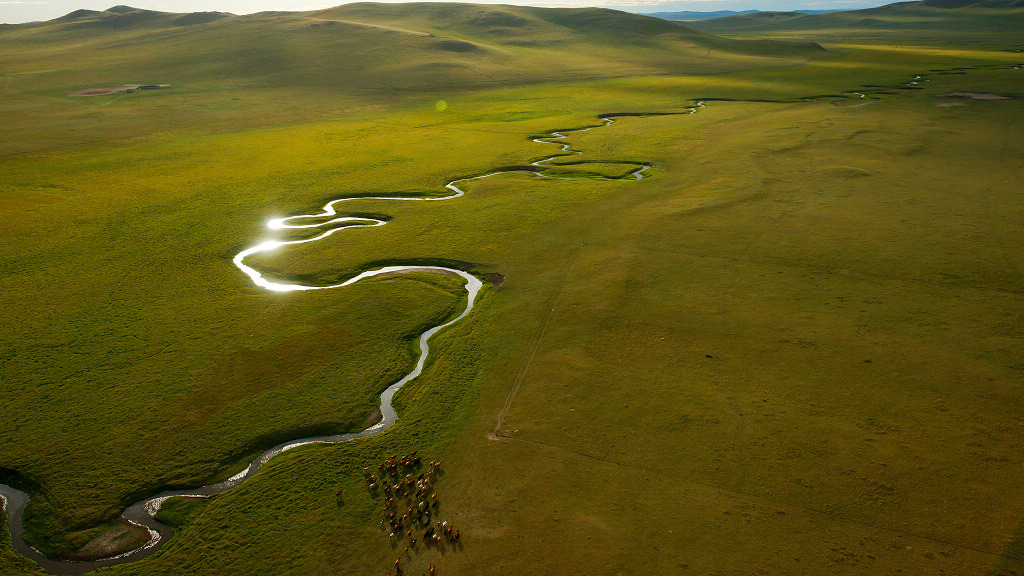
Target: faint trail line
<point>584,454</point>
<point>771,500</point>
<point>998,239</point>
<point>536,343</point>
<point>859,105</point>
<point>824,269</point>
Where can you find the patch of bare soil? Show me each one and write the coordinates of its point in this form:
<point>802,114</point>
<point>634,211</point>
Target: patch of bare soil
<point>374,417</point>
<point>115,89</point>
<point>494,278</point>
<point>845,172</point>
<point>115,541</point>
<point>104,91</point>
<point>974,96</point>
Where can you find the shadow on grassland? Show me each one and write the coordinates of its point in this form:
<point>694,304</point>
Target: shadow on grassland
<point>1011,561</point>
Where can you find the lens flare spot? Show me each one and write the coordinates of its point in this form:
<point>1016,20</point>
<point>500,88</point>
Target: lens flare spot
<point>441,105</point>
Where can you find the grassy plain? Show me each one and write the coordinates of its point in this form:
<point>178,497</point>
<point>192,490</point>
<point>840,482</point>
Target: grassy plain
<point>794,349</point>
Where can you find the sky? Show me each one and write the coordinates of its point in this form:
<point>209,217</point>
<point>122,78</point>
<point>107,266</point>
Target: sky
<point>18,11</point>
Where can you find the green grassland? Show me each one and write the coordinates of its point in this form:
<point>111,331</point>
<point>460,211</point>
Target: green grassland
<point>794,349</point>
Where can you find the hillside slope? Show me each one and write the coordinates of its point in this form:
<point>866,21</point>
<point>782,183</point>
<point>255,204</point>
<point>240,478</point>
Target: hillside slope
<point>272,68</point>
<point>373,46</point>
<point>997,21</point>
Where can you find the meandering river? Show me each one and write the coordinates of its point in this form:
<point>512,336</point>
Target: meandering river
<point>330,222</point>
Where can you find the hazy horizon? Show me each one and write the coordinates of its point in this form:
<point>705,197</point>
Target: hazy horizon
<point>21,11</point>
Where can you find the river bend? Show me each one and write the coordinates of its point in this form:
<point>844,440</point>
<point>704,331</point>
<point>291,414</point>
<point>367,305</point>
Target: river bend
<point>142,512</point>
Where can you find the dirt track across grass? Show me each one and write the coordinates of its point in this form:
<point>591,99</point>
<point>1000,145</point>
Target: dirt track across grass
<point>114,89</point>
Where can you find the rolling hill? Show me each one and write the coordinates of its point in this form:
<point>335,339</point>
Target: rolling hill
<point>999,21</point>
<point>374,47</point>
<point>271,68</point>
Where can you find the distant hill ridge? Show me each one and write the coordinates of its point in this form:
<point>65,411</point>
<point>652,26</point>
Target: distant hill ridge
<point>485,19</point>
<point>687,16</point>
<point>125,16</point>
<point>518,25</point>
<point>948,4</point>
<point>501,24</point>
<point>991,4</point>
<point>991,20</point>
<point>378,48</point>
